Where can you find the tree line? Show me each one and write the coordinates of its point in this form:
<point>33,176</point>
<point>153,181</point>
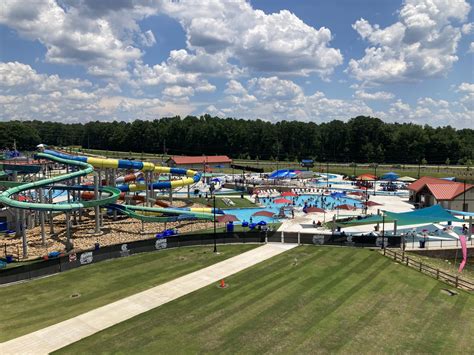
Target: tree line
<point>360,140</point>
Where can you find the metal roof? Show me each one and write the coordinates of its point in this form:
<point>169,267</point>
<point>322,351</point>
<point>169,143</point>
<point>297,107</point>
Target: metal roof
<point>447,191</point>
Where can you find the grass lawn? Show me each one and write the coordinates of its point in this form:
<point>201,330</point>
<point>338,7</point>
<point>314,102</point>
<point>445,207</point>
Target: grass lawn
<point>308,300</point>
<point>39,303</point>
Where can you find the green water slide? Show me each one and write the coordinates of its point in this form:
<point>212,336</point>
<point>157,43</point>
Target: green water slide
<point>7,199</point>
<point>180,215</point>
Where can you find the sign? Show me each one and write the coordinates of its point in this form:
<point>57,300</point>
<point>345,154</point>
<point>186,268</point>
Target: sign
<point>161,244</point>
<point>349,241</point>
<point>124,251</point>
<point>318,239</point>
<point>86,258</point>
<point>72,257</point>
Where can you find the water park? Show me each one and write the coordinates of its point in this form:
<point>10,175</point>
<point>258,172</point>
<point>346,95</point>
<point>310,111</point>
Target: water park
<point>65,209</point>
<point>59,202</point>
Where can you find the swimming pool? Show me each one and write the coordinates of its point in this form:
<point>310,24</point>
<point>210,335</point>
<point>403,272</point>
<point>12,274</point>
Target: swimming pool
<point>327,202</point>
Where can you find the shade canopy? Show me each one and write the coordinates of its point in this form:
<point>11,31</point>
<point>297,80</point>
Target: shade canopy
<point>372,203</point>
<point>366,177</point>
<point>289,194</point>
<point>391,176</point>
<point>433,214</point>
<point>227,218</point>
<point>282,200</point>
<point>264,214</point>
<point>406,179</point>
<point>314,210</point>
<point>357,193</point>
<point>346,207</point>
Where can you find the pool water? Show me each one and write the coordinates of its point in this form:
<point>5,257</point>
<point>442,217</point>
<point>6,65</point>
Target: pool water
<point>325,202</point>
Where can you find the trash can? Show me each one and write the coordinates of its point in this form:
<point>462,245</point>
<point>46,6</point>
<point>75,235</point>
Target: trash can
<point>9,259</point>
<point>422,244</point>
<point>230,227</point>
<point>96,246</point>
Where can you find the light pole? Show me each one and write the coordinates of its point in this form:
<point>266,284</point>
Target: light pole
<point>214,211</point>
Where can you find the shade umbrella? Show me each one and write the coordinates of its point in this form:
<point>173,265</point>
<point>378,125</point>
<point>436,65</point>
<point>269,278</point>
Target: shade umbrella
<point>264,214</point>
<point>227,218</point>
<point>346,207</point>
<point>372,203</point>
<point>315,210</point>
<point>366,177</point>
<point>406,179</point>
<point>262,223</point>
<point>282,200</point>
<point>289,194</point>
<point>356,193</point>
<point>391,176</point>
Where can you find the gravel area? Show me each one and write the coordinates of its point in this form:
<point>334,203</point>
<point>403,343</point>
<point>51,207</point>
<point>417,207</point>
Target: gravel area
<point>113,232</point>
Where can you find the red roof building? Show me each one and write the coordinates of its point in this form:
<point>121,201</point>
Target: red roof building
<point>429,191</point>
<point>201,162</point>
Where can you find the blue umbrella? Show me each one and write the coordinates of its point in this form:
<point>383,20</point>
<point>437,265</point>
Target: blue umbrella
<point>391,176</point>
<point>262,223</point>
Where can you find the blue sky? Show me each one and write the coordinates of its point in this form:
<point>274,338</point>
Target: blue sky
<point>81,60</point>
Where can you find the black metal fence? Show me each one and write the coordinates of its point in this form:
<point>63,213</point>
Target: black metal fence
<point>366,241</point>
<point>70,261</point>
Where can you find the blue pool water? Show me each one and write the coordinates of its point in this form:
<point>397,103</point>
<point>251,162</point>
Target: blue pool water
<point>244,214</point>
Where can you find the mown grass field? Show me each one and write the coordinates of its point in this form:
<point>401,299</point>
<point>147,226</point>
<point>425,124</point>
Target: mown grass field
<point>460,172</point>
<point>308,300</point>
<point>39,303</point>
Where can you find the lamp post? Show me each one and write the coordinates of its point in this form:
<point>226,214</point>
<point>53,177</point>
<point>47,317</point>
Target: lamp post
<point>214,211</point>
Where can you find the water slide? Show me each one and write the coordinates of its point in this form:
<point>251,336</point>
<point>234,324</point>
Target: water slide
<point>102,163</point>
<point>7,199</point>
<point>112,193</point>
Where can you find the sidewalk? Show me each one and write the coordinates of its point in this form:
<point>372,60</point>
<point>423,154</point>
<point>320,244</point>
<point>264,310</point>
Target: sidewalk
<point>67,332</point>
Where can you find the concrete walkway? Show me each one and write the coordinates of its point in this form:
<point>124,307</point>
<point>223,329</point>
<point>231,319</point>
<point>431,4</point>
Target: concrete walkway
<point>67,332</point>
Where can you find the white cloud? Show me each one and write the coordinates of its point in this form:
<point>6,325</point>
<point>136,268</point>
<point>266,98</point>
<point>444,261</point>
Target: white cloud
<point>421,44</point>
<point>466,87</point>
<point>432,111</point>
<point>147,38</point>
<point>171,78</point>
<point>467,101</point>
<point>275,99</point>
<point>74,35</point>
<point>467,28</point>
<point>471,48</point>
<point>271,43</point>
<point>274,88</point>
<point>26,95</point>
<point>379,95</point>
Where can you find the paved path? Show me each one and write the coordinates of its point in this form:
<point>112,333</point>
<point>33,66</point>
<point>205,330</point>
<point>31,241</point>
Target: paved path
<point>62,334</point>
